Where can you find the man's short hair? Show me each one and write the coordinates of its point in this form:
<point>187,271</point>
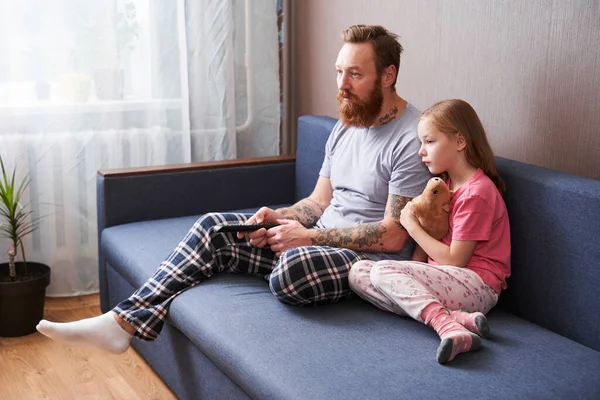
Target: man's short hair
<point>386,47</point>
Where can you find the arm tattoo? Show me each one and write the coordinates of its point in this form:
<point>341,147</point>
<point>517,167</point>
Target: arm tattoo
<point>303,213</point>
<point>317,204</point>
<point>363,237</point>
<point>394,207</point>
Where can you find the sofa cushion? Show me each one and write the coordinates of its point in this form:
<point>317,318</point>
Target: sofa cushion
<point>346,350</point>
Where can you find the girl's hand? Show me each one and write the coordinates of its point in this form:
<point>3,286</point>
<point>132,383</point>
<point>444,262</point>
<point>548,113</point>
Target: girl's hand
<point>287,235</point>
<point>408,218</point>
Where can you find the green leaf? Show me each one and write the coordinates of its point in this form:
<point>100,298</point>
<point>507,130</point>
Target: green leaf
<point>18,221</point>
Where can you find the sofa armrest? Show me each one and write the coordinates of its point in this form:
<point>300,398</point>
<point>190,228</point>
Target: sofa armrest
<point>142,194</point>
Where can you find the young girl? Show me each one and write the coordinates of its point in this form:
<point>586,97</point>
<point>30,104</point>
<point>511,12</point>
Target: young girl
<point>466,271</point>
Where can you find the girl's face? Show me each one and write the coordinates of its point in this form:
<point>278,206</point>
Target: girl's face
<point>439,151</point>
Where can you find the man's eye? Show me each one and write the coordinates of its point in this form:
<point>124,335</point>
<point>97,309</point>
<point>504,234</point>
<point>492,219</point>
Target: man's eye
<point>355,74</point>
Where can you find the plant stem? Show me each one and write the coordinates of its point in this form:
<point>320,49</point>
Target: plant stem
<point>12,269</point>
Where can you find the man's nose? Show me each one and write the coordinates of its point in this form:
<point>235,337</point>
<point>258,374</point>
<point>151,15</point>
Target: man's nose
<point>343,82</point>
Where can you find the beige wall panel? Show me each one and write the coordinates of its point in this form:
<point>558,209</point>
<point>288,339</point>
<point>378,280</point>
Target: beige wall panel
<point>530,68</point>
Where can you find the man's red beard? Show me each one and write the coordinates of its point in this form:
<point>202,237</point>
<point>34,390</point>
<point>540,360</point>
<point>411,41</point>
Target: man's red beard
<point>356,112</point>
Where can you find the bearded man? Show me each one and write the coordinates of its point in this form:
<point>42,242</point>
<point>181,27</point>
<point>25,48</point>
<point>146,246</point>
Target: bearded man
<point>371,170</point>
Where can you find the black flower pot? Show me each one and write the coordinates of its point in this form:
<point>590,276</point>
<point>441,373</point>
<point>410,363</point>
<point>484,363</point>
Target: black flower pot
<point>22,300</point>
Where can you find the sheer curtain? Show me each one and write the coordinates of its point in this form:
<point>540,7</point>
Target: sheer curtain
<point>125,83</point>
<point>233,59</point>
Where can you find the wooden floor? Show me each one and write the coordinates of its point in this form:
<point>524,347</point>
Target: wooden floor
<point>35,367</point>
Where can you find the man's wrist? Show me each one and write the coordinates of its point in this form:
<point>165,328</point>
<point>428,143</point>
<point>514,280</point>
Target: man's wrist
<point>311,234</point>
<point>282,212</point>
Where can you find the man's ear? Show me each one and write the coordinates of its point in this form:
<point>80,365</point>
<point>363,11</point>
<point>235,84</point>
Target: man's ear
<point>461,143</point>
<point>389,74</point>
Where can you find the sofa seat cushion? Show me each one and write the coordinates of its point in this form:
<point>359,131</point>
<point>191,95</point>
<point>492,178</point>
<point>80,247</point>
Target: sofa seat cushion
<point>349,350</point>
<point>353,350</point>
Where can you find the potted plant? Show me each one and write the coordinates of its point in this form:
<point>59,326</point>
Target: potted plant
<point>22,284</point>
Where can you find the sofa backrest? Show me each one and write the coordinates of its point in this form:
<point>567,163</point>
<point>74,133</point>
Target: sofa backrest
<point>555,236</point>
<point>313,131</point>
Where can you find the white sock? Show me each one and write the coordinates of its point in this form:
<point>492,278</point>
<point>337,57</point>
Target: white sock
<point>102,332</point>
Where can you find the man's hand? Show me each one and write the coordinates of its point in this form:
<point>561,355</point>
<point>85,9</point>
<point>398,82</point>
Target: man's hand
<point>259,238</point>
<point>287,235</point>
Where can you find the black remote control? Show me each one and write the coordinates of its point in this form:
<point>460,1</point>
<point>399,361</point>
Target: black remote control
<point>243,227</point>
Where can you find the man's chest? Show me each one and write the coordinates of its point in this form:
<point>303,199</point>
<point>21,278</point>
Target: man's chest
<point>361,166</point>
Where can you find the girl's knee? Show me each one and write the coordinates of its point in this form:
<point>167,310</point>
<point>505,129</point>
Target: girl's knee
<point>383,269</point>
<point>359,274</point>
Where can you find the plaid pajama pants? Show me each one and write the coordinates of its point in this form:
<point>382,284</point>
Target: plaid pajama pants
<point>301,276</point>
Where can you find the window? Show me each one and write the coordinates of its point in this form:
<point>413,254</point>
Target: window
<point>78,52</point>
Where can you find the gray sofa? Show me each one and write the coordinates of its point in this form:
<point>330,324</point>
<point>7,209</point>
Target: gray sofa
<point>229,338</point>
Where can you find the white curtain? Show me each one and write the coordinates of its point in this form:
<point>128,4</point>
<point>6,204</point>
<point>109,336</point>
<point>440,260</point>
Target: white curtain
<point>88,85</point>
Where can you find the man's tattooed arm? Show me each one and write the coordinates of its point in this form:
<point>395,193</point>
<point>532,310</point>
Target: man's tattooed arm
<point>387,235</point>
<point>306,211</point>
<point>363,237</point>
<point>394,206</point>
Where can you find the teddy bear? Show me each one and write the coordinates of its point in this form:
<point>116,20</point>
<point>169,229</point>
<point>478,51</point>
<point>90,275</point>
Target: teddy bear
<point>431,208</point>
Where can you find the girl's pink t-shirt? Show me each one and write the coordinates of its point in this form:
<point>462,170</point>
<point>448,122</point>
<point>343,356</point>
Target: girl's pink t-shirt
<point>477,212</point>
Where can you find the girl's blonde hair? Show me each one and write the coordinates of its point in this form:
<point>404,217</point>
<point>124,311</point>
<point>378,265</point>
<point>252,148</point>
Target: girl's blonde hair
<point>457,116</point>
